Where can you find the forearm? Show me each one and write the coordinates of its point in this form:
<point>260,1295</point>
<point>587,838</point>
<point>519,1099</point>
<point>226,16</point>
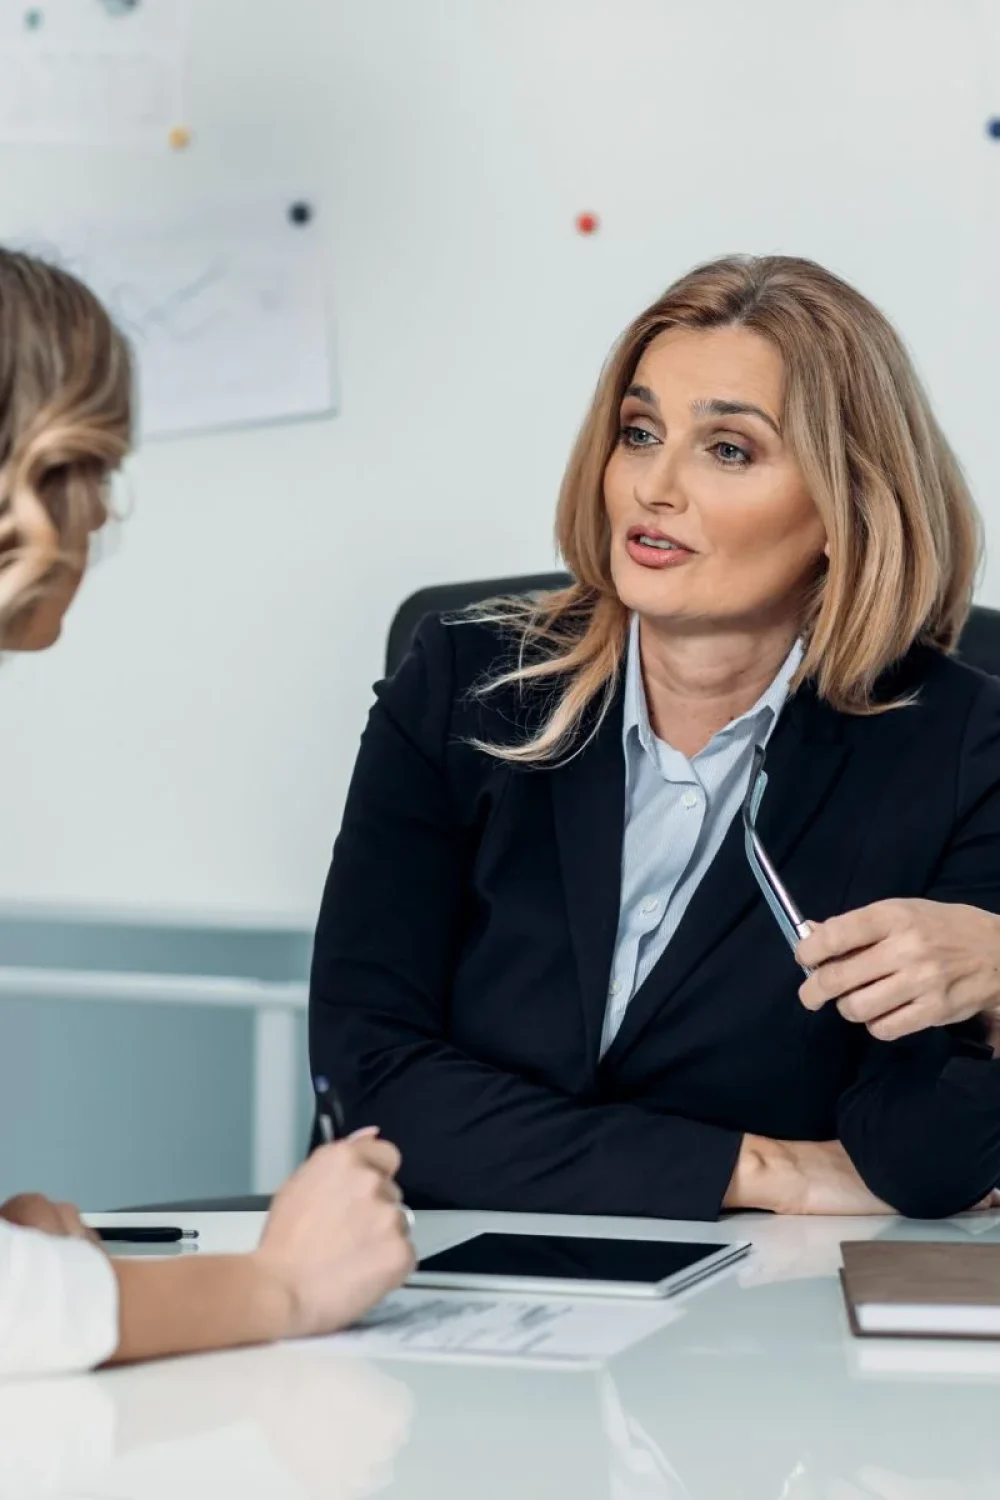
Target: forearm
<point>194,1303</point>
<point>473,1136</point>
<point>926,1136</point>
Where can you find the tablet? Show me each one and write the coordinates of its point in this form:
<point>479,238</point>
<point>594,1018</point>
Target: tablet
<point>566,1265</point>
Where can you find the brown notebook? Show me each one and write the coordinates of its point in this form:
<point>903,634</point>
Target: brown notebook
<point>919,1289</point>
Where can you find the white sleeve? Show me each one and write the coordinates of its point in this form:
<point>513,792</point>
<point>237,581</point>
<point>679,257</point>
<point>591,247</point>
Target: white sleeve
<point>58,1303</point>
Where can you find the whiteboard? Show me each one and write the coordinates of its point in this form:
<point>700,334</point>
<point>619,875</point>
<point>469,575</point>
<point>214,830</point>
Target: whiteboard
<point>187,746</point>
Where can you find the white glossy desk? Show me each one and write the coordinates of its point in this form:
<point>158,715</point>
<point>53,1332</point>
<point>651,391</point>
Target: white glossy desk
<point>755,1392</point>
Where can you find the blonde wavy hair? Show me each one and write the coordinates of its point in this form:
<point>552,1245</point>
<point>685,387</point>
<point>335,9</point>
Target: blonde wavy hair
<point>903,533</point>
<point>65,425</point>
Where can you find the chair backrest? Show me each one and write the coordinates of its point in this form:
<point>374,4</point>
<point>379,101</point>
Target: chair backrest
<point>980,643</point>
<point>979,646</point>
<point>448,598</point>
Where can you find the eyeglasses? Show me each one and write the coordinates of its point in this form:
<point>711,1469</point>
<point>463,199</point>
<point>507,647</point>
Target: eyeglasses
<point>793,925</point>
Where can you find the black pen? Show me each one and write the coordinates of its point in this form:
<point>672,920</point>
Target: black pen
<point>333,1127</point>
<point>146,1234</point>
<point>329,1111</point>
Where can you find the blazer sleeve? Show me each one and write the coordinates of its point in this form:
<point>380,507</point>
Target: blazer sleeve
<point>922,1121</point>
<point>387,945</point>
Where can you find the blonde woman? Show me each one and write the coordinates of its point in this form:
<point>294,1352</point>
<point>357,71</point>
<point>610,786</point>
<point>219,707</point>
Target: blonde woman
<point>542,960</point>
<point>336,1239</point>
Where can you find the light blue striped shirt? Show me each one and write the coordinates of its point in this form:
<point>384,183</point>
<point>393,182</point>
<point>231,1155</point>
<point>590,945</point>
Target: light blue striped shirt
<point>677,812</point>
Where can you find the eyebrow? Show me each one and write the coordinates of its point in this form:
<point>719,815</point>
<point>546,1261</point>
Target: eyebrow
<point>643,393</point>
<point>716,407</point>
<point>719,408</point>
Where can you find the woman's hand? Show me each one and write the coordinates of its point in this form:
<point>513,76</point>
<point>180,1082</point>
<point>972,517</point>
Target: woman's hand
<point>805,1177</point>
<point>799,1177</point>
<point>336,1239</point>
<point>33,1211</point>
<point>900,966</point>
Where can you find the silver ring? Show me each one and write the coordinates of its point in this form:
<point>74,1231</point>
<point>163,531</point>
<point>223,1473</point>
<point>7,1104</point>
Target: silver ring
<point>409,1217</point>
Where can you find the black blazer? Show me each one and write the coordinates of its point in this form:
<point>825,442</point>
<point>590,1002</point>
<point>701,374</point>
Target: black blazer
<point>467,930</point>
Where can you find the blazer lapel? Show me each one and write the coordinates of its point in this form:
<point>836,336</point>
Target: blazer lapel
<point>805,756</point>
<point>588,799</point>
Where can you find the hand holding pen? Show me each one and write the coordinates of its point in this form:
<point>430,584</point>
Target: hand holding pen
<point>332,1124</point>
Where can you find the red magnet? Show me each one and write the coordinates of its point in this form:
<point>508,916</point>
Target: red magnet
<point>587,223</point>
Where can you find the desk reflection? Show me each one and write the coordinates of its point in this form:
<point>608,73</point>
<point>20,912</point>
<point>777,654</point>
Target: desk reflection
<point>294,1422</point>
<point>760,1393</point>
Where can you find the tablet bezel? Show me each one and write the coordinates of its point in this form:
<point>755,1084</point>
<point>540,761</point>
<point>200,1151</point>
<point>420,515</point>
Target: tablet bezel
<point>726,1253</point>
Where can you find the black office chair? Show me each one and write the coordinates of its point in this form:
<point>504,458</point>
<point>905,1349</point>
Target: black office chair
<point>980,643</point>
<point>449,598</point>
<point>980,647</point>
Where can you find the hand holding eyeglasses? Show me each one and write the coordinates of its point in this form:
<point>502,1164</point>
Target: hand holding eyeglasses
<point>896,966</point>
<point>900,966</point>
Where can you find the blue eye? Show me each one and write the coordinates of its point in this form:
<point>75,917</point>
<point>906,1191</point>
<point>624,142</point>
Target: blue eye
<point>631,436</point>
<point>731,455</point>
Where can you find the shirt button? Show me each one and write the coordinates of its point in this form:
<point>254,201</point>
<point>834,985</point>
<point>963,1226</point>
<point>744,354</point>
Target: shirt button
<point>689,799</point>
<point>650,904</point>
<point>615,987</point>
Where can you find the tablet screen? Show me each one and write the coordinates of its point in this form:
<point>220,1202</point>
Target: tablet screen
<point>567,1257</point>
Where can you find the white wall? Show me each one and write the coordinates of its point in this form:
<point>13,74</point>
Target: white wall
<point>188,744</point>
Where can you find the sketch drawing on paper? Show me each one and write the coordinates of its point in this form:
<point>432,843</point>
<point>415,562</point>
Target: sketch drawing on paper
<point>226,331</point>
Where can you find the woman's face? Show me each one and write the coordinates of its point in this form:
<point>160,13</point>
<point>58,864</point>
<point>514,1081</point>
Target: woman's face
<point>711,522</point>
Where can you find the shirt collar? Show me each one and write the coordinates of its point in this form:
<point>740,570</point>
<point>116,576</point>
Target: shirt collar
<point>636,713</point>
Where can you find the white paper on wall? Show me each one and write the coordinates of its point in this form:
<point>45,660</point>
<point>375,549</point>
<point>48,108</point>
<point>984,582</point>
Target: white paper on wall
<point>229,327</point>
<point>92,72</point>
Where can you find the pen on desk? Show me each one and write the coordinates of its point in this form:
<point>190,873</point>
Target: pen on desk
<point>145,1234</point>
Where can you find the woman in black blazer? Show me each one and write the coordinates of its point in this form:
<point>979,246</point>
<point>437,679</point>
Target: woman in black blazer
<point>771,541</point>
